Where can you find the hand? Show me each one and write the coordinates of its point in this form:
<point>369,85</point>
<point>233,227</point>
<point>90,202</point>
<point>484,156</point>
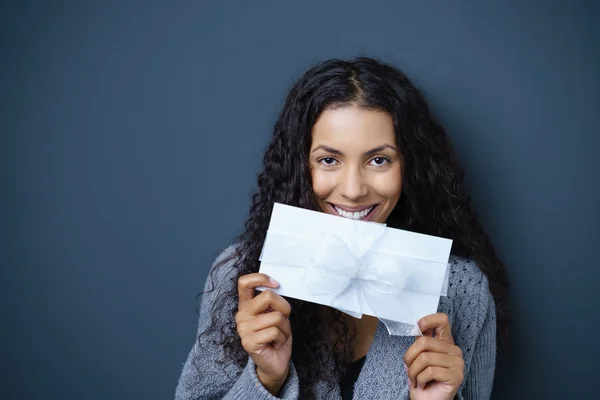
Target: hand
<point>265,331</point>
<point>435,365</point>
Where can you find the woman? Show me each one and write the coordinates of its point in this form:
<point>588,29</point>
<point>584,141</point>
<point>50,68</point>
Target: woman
<point>355,139</point>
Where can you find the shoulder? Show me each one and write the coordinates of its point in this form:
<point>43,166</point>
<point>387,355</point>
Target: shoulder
<point>228,256</point>
<point>221,272</point>
<point>223,266</point>
<point>219,281</point>
<point>465,278</point>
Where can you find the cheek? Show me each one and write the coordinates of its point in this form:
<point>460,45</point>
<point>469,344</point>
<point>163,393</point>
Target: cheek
<point>322,183</point>
<point>389,185</point>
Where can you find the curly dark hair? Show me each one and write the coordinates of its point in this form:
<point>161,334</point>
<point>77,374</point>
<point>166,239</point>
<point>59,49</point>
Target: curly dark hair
<point>433,202</point>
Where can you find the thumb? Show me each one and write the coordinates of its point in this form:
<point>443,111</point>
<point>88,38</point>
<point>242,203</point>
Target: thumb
<point>436,325</point>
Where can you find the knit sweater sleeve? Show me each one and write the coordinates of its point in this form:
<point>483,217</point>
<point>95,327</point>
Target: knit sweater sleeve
<point>480,377</point>
<point>474,328</point>
<point>203,377</point>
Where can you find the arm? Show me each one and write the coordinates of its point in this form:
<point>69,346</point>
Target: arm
<point>480,377</point>
<point>203,378</point>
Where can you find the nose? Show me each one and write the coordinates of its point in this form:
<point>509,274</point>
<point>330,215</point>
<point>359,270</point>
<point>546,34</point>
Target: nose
<point>352,184</point>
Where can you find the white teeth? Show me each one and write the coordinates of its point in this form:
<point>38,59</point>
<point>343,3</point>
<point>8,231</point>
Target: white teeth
<point>353,215</point>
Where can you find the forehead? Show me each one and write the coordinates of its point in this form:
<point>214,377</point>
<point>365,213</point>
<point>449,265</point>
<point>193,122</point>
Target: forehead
<point>352,126</point>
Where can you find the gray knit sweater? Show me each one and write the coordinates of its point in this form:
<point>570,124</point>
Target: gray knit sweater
<point>469,305</point>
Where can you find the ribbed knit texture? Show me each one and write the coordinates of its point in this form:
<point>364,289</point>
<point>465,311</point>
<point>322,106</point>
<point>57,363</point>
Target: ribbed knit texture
<point>469,305</point>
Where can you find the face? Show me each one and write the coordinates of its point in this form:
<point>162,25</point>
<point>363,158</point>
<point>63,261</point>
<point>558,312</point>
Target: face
<point>355,165</point>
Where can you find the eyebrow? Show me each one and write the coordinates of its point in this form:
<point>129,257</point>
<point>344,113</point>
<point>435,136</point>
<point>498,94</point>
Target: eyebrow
<point>366,153</point>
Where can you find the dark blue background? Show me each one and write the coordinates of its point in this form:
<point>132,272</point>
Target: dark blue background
<point>132,132</point>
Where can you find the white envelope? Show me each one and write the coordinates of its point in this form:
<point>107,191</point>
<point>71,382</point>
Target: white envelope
<point>296,237</point>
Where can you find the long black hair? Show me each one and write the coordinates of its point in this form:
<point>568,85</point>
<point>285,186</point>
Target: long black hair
<point>433,202</point>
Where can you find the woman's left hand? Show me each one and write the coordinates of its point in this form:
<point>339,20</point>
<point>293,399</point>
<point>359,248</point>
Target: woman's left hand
<point>435,365</point>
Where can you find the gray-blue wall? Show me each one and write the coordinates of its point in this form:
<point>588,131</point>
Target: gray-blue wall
<point>132,133</point>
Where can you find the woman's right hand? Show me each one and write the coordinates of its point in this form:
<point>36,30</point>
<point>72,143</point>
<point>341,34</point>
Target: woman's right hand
<point>264,328</point>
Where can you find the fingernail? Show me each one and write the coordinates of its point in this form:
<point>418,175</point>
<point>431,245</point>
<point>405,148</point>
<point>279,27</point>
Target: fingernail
<point>273,282</point>
<point>421,386</point>
<point>405,368</point>
<point>410,383</point>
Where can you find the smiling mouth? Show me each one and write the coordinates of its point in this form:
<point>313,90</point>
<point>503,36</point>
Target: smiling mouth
<point>362,215</point>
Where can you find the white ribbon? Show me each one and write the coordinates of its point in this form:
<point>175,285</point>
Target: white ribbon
<point>340,272</point>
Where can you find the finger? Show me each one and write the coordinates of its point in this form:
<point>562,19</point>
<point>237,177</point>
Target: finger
<point>430,344</point>
<point>439,374</point>
<point>263,321</point>
<point>256,342</point>
<point>437,325</point>
<point>247,284</point>
<point>265,303</point>
<point>428,359</point>
<point>269,300</point>
<point>267,336</point>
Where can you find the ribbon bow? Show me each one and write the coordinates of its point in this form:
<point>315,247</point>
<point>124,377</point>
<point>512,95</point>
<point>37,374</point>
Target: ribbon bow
<point>352,274</point>
<point>359,276</point>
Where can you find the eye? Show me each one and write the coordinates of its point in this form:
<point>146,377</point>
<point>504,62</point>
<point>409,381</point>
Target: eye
<point>328,161</point>
<point>379,161</point>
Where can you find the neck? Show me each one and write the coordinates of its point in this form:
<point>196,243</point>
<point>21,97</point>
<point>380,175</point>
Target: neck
<point>366,324</point>
<point>365,333</point>
<point>366,327</point>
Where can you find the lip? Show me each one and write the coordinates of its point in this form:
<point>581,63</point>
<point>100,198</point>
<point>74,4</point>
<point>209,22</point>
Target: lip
<point>354,209</point>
